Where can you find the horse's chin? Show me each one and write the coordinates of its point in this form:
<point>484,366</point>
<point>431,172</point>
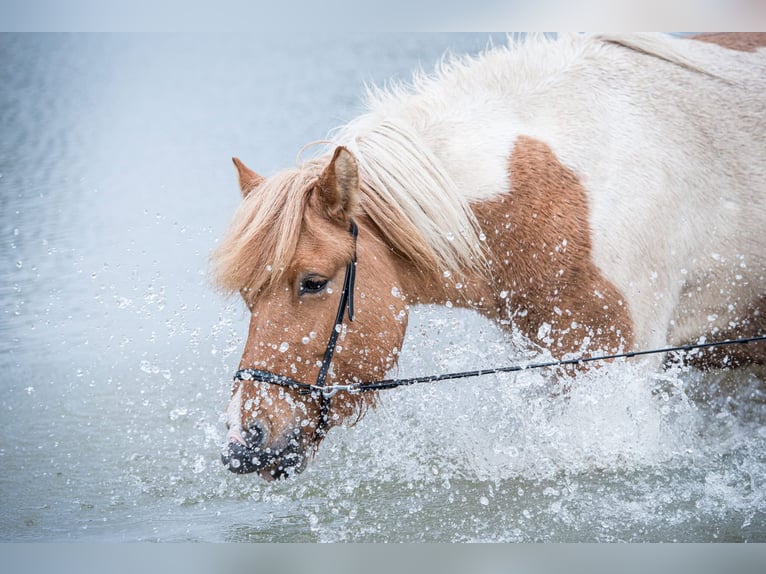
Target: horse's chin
<point>270,463</point>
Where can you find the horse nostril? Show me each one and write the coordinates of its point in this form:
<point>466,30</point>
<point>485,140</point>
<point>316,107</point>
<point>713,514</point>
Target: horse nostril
<point>254,436</point>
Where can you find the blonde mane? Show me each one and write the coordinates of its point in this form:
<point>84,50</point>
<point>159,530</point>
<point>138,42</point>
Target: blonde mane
<point>404,190</point>
<point>405,187</point>
<point>409,195</point>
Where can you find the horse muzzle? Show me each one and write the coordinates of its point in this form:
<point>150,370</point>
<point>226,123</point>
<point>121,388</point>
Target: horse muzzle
<point>249,452</point>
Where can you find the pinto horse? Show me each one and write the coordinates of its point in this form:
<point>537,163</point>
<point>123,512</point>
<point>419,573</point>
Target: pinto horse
<point>596,193</point>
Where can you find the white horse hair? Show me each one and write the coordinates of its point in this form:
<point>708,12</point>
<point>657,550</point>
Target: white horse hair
<point>668,136</point>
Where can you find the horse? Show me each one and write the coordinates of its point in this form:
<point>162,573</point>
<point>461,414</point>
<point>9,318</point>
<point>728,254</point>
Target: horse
<point>596,193</point>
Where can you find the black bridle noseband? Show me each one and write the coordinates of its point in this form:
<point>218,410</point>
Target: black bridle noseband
<point>318,390</point>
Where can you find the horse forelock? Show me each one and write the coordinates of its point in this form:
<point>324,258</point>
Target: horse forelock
<point>262,238</point>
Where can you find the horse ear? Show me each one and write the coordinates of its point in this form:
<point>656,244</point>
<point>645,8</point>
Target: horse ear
<point>338,186</point>
<point>248,179</point>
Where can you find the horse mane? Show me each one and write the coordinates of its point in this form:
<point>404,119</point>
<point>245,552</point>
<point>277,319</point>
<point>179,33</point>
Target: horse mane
<point>412,199</point>
<point>405,188</point>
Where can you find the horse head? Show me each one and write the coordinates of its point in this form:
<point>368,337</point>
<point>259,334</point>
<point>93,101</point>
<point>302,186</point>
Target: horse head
<point>464,194</point>
<point>287,252</point>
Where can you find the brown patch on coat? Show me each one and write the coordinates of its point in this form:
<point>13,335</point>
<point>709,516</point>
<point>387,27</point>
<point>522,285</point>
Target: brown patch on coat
<point>539,235</point>
<point>741,41</point>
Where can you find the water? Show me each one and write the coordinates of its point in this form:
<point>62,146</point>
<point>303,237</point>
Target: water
<point>116,353</point>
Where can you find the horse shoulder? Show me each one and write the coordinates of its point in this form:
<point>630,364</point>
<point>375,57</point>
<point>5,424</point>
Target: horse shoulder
<point>540,240</point>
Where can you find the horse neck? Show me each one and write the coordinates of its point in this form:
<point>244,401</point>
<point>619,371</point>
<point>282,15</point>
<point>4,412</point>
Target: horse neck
<point>427,286</point>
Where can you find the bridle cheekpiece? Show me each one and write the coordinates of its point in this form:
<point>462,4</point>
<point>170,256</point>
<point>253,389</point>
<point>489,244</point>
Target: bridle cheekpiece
<point>318,390</point>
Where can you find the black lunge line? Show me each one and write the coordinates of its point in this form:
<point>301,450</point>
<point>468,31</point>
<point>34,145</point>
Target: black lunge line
<point>323,393</point>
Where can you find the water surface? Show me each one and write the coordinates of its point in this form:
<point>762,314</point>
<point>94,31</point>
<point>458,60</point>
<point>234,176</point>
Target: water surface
<point>116,352</point>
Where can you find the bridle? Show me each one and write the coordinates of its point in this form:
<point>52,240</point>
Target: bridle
<point>318,390</point>
<point>324,393</point>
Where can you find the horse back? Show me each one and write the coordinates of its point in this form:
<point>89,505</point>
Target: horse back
<point>741,41</point>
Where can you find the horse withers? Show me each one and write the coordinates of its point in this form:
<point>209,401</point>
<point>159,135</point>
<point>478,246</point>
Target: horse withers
<point>595,193</point>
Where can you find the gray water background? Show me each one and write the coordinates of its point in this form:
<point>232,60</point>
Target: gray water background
<point>116,352</point>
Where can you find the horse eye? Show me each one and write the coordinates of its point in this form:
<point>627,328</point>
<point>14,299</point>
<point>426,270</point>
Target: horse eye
<point>312,285</point>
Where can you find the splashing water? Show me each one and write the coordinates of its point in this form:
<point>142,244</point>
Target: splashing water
<point>611,454</point>
<point>116,376</point>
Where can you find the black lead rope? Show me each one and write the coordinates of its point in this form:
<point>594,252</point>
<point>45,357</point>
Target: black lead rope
<point>324,393</point>
<point>330,391</point>
<point>393,383</point>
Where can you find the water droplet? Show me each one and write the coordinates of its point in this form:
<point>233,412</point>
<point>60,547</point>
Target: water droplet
<point>503,294</point>
<point>199,464</point>
<point>305,340</point>
<point>395,292</point>
<point>269,268</point>
<point>19,264</point>
<point>447,273</point>
<point>313,335</point>
<point>448,304</point>
<point>484,501</point>
<point>283,347</point>
<point>451,236</point>
<point>482,237</point>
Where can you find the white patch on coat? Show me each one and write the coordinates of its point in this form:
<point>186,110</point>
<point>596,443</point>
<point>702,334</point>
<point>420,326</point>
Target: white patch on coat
<point>234,418</point>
